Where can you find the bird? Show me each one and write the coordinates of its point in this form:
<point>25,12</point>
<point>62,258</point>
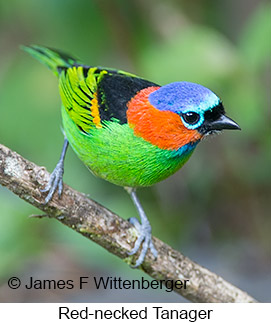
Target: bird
<point>127,130</point>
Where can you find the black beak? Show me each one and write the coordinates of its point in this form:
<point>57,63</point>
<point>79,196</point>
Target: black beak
<point>221,123</point>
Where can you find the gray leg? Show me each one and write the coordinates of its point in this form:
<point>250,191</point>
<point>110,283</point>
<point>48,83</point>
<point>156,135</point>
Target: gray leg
<point>56,178</point>
<point>144,229</point>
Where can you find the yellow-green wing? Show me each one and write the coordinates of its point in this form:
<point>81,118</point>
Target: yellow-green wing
<point>92,96</point>
<point>78,90</point>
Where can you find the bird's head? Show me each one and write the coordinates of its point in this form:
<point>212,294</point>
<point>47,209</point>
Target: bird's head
<point>198,107</point>
<point>177,114</point>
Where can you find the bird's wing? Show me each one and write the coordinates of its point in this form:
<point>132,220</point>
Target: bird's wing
<point>92,95</point>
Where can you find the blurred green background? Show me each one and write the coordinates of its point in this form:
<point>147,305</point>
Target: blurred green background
<point>216,209</point>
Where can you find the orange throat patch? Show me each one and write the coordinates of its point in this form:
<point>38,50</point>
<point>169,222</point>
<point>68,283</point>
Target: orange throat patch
<point>163,129</point>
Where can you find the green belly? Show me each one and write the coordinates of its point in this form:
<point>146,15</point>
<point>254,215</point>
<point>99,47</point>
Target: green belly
<point>115,154</point>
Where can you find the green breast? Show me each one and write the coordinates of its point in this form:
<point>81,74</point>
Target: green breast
<point>115,154</point>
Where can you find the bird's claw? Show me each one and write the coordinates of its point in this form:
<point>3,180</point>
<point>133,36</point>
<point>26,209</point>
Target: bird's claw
<point>55,182</point>
<point>144,239</point>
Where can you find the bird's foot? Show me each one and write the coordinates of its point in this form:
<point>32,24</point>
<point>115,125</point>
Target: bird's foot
<point>144,239</point>
<point>55,182</point>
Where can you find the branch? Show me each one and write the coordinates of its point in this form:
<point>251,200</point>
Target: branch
<point>113,233</point>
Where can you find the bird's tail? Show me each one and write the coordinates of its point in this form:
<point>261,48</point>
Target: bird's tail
<point>53,59</point>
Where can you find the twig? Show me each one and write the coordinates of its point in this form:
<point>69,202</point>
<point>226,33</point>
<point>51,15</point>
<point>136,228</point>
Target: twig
<point>96,223</point>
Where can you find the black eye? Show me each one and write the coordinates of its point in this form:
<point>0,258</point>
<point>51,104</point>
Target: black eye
<point>191,117</point>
